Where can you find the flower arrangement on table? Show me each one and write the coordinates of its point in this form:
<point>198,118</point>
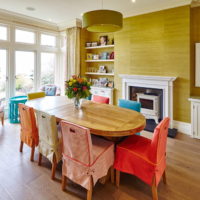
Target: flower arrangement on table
<point>77,88</point>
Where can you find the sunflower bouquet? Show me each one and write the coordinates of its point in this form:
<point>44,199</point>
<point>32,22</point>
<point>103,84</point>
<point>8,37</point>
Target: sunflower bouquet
<point>77,87</point>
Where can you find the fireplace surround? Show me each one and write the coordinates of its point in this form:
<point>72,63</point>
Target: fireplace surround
<point>155,82</point>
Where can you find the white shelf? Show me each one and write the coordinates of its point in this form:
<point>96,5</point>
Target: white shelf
<point>108,60</point>
<point>100,47</point>
<point>103,74</point>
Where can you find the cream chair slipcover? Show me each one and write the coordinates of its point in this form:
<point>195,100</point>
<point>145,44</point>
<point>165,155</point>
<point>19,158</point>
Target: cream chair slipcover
<point>49,141</point>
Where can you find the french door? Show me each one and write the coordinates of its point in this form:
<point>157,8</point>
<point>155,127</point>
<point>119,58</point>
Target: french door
<point>24,72</point>
<point>3,75</point>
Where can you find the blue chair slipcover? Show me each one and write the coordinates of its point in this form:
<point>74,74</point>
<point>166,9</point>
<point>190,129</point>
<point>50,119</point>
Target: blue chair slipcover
<point>133,105</point>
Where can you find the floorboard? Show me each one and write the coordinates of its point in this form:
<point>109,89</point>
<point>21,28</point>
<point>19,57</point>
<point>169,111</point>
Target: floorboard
<point>21,179</point>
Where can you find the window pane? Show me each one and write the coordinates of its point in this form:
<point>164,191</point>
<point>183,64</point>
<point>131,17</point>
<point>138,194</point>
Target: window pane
<point>3,33</point>
<point>48,40</point>
<point>24,36</point>
<point>3,64</point>
<point>48,62</point>
<point>25,62</point>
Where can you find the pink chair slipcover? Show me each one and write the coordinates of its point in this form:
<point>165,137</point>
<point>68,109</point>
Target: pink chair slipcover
<point>84,156</point>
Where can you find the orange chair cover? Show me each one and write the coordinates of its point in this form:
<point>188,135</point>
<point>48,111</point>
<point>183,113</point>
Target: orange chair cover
<point>29,131</point>
<point>143,157</point>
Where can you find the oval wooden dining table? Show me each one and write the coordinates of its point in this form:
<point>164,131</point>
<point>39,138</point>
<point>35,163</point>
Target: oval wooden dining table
<point>102,119</point>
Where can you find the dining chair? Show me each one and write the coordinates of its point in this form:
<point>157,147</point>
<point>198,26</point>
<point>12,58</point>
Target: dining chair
<point>49,140</point>
<point>29,131</point>
<point>100,99</point>
<point>86,158</point>
<point>2,114</point>
<point>35,95</point>
<point>143,157</point>
<point>133,105</point>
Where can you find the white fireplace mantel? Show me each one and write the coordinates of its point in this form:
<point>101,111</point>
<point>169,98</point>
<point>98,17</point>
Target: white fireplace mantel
<point>157,82</point>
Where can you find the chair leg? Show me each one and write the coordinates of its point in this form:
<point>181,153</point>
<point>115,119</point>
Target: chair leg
<point>89,192</point>
<point>2,120</point>
<point>21,146</point>
<point>40,159</point>
<point>64,181</point>
<point>154,189</point>
<point>32,153</point>
<point>164,178</point>
<point>112,171</point>
<point>117,178</point>
<point>53,169</point>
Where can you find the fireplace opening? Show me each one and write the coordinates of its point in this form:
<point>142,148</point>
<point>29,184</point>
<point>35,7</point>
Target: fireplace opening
<point>146,103</point>
<point>151,100</point>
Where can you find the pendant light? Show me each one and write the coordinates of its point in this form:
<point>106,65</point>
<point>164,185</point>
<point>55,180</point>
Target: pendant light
<point>102,20</point>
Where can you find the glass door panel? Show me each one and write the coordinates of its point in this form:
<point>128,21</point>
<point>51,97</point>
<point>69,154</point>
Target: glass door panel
<point>3,74</point>
<point>24,72</point>
<point>48,62</point>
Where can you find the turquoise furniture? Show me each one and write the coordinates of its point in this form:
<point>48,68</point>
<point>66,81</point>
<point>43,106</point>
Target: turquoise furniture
<point>133,105</point>
<point>13,108</point>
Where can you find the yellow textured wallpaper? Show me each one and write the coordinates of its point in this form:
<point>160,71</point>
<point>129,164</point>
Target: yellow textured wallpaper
<point>195,38</point>
<point>156,44</point>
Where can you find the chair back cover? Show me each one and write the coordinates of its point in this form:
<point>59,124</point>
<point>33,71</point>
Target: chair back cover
<point>48,133</point>
<point>47,128</point>
<point>77,143</point>
<point>133,105</point>
<point>35,95</point>
<point>100,99</point>
<point>29,132</point>
<point>159,141</point>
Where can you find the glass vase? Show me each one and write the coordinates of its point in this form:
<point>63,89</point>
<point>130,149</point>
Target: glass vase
<point>77,102</point>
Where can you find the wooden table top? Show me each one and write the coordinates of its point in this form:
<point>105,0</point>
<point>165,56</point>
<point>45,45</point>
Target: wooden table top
<point>102,119</point>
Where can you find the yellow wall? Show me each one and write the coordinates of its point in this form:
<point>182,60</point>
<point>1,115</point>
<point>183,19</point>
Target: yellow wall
<point>156,44</point>
<point>195,37</point>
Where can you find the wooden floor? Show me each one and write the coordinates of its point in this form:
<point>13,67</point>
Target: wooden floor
<point>21,179</point>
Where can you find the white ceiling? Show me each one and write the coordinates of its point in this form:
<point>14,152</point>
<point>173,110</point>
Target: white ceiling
<point>60,11</point>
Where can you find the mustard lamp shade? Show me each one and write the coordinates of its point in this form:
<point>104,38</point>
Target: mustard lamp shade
<point>102,21</point>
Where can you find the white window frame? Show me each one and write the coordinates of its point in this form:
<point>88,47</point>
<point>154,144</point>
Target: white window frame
<point>27,30</point>
<point>49,34</point>
<point>11,46</point>
<point>8,33</point>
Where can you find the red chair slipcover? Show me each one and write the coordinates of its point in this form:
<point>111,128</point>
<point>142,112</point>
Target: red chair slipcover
<point>100,99</point>
<point>143,157</point>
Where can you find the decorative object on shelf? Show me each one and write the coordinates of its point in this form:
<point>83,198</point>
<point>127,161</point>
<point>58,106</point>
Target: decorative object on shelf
<point>104,55</point>
<point>95,57</point>
<point>77,88</point>
<point>94,44</point>
<point>113,41</point>
<point>112,55</point>
<point>88,44</point>
<point>89,56</point>
<point>102,69</point>
<point>103,40</point>
<point>111,84</point>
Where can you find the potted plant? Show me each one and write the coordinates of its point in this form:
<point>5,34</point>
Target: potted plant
<point>77,88</point>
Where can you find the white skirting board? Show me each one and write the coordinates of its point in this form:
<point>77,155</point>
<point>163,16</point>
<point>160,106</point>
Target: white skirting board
<point>183,127</point>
